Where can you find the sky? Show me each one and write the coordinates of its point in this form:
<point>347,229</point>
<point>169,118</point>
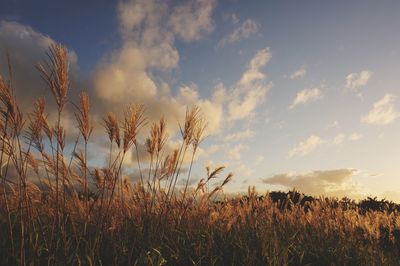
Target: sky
<point>297,94</point>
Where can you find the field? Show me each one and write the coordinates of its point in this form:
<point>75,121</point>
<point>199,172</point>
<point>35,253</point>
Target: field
<point>56,209</point>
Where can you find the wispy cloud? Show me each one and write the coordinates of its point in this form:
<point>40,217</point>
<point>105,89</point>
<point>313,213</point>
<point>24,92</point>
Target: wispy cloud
<point>305,147</point>
<point>299,73</point>
<point>251,89</point>
<point>235,153</point>
<point>383,112</point>
<point>305,96</point>
<point>354,81</point>
<point>245,30</point>
<point>246,134</point>
<point>355,136</point>
<point>339,139</point>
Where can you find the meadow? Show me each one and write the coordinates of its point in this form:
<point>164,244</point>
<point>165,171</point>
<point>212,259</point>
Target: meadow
<point>56,209</point>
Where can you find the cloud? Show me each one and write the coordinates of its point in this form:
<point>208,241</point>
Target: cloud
<point>127,74</point>
<point>383,112</point>
<point>337,182</point>
<point>333,124</point>
<point>339,139</point>
<point>306,147</point>
<point>299,73</point>
<point>356,80</point>
<point>192,19</point>
<point>233,18</point>
<point>253,72</point>
<point>235,153</point>
<point>245,30</point>
<point>251,89</point>
<point>149,30</point>
<point>355,136</point>
<point>28,47</point>
<point>306,96</point>
<point>240,135</point>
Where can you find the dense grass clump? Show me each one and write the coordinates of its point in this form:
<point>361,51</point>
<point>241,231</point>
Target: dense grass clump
<point>58,210</point>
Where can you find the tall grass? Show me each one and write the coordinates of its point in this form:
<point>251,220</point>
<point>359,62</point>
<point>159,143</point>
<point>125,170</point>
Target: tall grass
<point>56,209</point>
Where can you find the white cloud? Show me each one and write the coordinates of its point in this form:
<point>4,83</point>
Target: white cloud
<point>338,182</point>
<point>383,112</point>
<point>356,80</point>
<point>246,29</point>
<point>235,153</point>
<point>251,89</point>
<point>299,73</point>
<point>306,96</point>
<point>306,147</point>
<point>240,135</point>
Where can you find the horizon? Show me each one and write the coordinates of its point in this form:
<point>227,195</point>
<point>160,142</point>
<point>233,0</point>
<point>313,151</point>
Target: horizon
<point>296,95</point>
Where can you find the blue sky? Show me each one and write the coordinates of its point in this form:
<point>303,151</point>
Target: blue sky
<point>297,93</point>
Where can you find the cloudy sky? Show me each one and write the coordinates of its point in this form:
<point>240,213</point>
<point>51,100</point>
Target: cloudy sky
<point>298,94</point>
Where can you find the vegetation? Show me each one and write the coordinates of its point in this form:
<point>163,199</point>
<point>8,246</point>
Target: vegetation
<point>55,209</point>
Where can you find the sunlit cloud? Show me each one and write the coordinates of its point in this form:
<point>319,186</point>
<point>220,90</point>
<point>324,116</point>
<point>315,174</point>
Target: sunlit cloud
<point>305,96</point>
<point>299,73</point>
<point>149,30</point>
<point>251,89</point>
<point>354,81</point>
<point>245,30</point>
<point>341,138</point>
<point>383,112</point>
<point>305,147</point>
<point>337,182</point>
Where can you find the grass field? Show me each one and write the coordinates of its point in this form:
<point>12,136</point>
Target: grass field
<point>58,210</point>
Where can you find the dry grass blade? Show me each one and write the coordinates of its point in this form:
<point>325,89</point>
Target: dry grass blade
<point>191,122</point>
<point>112,128</point>
<point>10,111</point>
<point>83,116</point>
<point>133,121</point>
<point>55,72</point>
<point>214,173</point>
<point>37,124</point>
<point>168,166</point>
